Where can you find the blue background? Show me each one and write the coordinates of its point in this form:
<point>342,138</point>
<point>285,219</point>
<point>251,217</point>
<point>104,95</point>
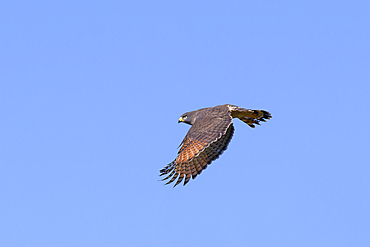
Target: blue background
<point>90,95</point>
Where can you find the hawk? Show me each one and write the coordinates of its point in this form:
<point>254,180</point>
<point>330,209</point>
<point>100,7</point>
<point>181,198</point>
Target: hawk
<point>210,133</point>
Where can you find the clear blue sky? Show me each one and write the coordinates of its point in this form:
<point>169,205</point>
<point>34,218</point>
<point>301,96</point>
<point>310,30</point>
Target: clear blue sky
<point>90,95</point>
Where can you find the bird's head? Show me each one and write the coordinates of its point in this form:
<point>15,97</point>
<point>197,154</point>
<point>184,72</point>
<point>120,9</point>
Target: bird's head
<point>188,118</point>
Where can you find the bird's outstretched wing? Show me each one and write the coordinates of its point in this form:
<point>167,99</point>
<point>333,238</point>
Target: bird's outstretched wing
<point>204,142</point>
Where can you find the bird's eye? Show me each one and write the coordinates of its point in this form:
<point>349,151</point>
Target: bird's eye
<point>185,117</point>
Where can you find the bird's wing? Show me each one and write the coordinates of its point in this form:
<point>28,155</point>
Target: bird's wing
<point>205,141</point>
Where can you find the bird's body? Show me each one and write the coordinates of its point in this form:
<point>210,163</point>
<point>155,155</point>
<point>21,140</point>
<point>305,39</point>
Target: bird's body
<point>209,135</point>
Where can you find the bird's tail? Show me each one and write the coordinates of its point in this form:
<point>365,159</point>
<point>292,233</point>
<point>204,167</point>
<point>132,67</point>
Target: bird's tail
<point>248,116</point>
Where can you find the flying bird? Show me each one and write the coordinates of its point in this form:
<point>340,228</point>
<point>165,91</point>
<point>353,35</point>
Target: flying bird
<point>210,133</point>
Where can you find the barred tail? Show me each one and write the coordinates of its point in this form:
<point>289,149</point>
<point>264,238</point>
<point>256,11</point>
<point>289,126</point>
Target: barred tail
<point>248,116</point>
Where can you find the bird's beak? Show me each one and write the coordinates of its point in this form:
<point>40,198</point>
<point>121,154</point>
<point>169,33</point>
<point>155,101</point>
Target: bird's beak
<point>180,120</point>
